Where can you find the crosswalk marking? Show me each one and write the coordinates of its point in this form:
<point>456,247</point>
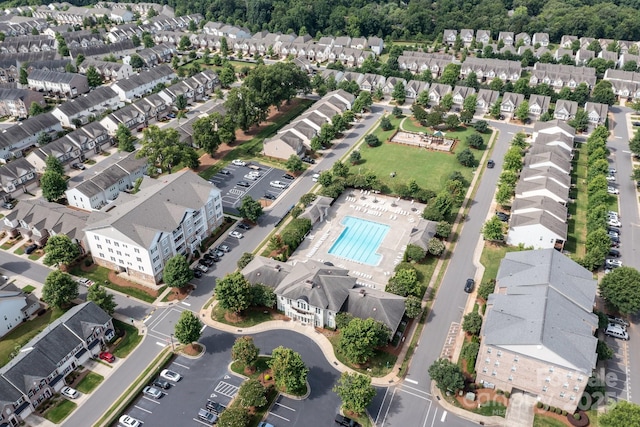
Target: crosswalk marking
<point>226,389</point>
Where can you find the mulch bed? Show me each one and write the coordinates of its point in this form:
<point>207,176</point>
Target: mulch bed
<point>178,294</point>
<point>120,280</point>
<point>192,349</point>
<point>237,318</point>
<point>483,396</point>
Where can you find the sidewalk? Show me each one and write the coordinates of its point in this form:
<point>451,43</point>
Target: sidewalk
<point>309,331</point>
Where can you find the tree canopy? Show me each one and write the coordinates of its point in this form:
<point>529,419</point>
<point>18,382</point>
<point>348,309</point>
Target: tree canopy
<point>59,289</point>
<point>361,337</point>
<point>188,328</point>
<point>101,298</point>
<point>622,413</point>
<point>289,371</point>
<point>355,391</point>
<point>60,250</point>
<point>177,273</point>
<point>621,289</point>
<point>233,292</point>
<point>250,209</point>
<point>447,375</point>
<point>163,149</point>
<point>245,351</point>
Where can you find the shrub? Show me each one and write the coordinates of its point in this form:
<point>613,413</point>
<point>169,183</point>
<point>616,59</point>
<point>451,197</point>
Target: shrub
<point>507,394</point>
<point>372,140</point>
<point>545,407</point>
<point>564,412</point>
<point>577,416</point>
<point>539,405</point>
<point>499,392</point>
<point>267,377</point>
<point>558,411</point>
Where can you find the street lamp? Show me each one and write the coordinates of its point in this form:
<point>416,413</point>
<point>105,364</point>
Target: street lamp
<point>172,346</point>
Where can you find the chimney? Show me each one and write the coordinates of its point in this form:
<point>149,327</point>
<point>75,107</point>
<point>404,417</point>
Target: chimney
<point>308,284</point>
<point>363,292</point>
<point>278,268</point>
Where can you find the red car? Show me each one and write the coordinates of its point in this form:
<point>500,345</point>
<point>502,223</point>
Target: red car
<point>108,357</point>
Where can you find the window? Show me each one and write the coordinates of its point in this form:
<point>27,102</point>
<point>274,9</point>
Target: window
<point>572,397</point>
<point>119,253</point>
<point>515,359</point>
<point>113,259</point>
<point>565,385</point>
<point>140,259</point>
<point>484,370</point>
<point>141,268</point>
<point>101,255</point>
<point>110,250</point>
<point>107,241</point>
<point>580,378</point>
<point>489,350</point>
<point>513,368</point>
<point>116,244</point>
<point>497,363</point>
<point>96,237</point>
<point>487,360</point>
<point>136,250</point>
<point>510,378</point>
<point>99,246</point>
<point>562,394</point>
<point>551,369</point>
<point>544,389</point>
<point>576,388</point>
<point>499,353</point>
<point>569,375</point>
<point>494,373</point>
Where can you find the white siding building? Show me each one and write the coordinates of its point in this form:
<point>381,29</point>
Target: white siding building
<point>139,233</point>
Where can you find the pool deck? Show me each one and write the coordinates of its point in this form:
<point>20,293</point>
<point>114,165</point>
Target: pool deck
<point>399,215</point>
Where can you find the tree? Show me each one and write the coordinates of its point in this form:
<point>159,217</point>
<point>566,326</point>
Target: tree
<point>60,250</point>
<point>101,298</point>
<point>245,351</point>
<point>94,79</point>
<point>519,140</point>
<point>372,140</point>
<point>252,394</point>
<point>447,375</point>
<point>147,40</point>
<point>412,306</point>
<point>355,391</point>
<point>604,351</point>
<point>494,111</point>
<point>443,229</point>
<point>472,323</point>
<point>404,282</point>
<point>184,43</point>
<point>355,157</point>
<point>234,416</point>
<point>414,253</point>
<point>466,158</point>
<point>398,94</point>
<point>188,328</point>
<point>361,337</point>
<point>505,193</point>
<point>289,371</point>
<point>475,140</point>
<point>244,260</point>
<point>603,93</point>
<point>580,122</point>
<point>53,185</point>
<point>23,79</point>
<point>481,126</point>
<point>446,102</point>
<point>233,292</point>
<point>59,289</point>
<point>493,229</point>
<point>53,164</point>
<point>44,138</point>
<point>522,112</point>
<point>176,273</point>
<point>450,74</point>
<point>125,139</point>
<point>486,288</point>
<point>294,164</point>
<point>452,121</point>
<point>181,102</point>
<point>396,111</point>
<point>250,209</point>
<point>622,413</point>
<point>513,159</point>
<point>435,247</point>
<point>385,123</point>
<point>36,109</point>
<point>621,289</point>
<point>163,149</point>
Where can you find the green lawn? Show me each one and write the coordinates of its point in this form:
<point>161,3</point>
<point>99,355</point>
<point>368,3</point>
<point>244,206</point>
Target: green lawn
<point>23,333</point>
<point>130,340</point>
<point>491,256</point>
<point>425,270</point>
<point>261,366</point>
<point>380,364</point>
<point>252,148</point>
<point>577,230</point>
<point>250,317</point>
<point>89,382</point>
<point>60,411</point>
<point>28,289</point>
<point>544,421</point>
<point>495,409</point>
<point>101,275</point>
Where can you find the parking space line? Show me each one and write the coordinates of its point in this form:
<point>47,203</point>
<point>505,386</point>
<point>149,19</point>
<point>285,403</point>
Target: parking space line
<point>384,399</point>
<point>226,389</point>
<point>203,328</point>
<point>279,416</point>
<point>151,400</point>
<point>182,366</point>
<point>200,422</point>
<point>142,409</point>
<point>285,406</point>
<point>186,303</point>
<point>161,344</point>
<point>409,380</point>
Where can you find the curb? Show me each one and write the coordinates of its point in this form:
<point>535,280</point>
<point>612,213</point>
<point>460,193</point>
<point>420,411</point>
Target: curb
<point>467,415</point>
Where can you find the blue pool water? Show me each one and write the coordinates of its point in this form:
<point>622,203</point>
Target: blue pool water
<point>359,240</point>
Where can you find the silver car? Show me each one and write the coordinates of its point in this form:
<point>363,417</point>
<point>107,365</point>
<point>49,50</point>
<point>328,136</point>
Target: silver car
<point>152,392</point>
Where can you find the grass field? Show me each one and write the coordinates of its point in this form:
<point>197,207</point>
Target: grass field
<point>491,256</point>
<point>130,340</point>
<point>60,411</point>
<point>89,382</point>
<point>577,230</point>
<point>23,333</point>
<point>101,275</point>
<point>544,421</point>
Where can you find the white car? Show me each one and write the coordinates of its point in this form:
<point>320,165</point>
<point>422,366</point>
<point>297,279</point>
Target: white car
<point>255,173</point>
<point>613,213</point>
<point>612,171</point>
<point>85,282</point>
<point>612,190</point>
<point>236,234</point>
<point>251,177</point>
<point>315,177</point>
<point>127,421</point>
<point>611,178</point>
<point>170,375</point>
<point>239,162</point>
<point>278,184</point>
<point>613,262</point>
<point>613,222</point>
<point>69,392</point>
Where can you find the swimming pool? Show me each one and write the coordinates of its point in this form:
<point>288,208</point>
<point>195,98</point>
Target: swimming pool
<point>359,240</point>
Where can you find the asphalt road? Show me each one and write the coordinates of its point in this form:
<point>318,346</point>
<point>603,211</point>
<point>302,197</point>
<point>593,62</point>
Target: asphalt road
<point>411,403</point>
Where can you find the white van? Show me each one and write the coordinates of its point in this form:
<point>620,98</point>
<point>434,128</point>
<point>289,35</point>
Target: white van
<point>617,332</point>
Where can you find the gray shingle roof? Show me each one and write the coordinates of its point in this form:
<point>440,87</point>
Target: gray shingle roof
<point>541,217</point>
<point>266,271</point>
<point>87,102</point>
<point>51,216</point>
<point>382,306</point>
<point>529,174</point>
<point>541,203</point>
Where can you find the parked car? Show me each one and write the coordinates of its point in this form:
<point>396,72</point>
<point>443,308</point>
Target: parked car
<point>69,392</point>
<point>613,234</point>
<point>609,262</point>
<point>224,172</point>
<point>502,216</point>
<point>618,321</point>
<point>288,176</point>
<point>491,164</point>
<point>614,253</point>
<point>170,375</point>
<point>469,285</point>
<point>278,184</point>
<point>616,229</point>
<point>31,248</point>
<point>345,421</point>
<point>127,421</point>
<point>171,115</point>
<point>253,167</point>
<point>611,178</point>
<point>617,332</point>
<point>223,248</point>
<point>152,392</point>
<point>315,177</point>
<point>615,244</point>
<point>239,162</point>
<point>202,268</point>
<point>244,226</point>
<point>84,281</point>
<point>614,222</point>
<point>10,204</point>
<point>236,234</point>
<point>269,196</point>
<point>265,424</point>
<point>250,177</point>
<point>612,171</point>
<point>243,184</point>
<point>197,273</point>
<point>161,383</point>
<point>309,160</point>
<point>613,190</point>
<point>255,173</point>
<point>78,166</point>
<point>206,262</point>
<point>207,417</point>
<point>107,357</point>
<point>215,254</point>
<point>215,407</point>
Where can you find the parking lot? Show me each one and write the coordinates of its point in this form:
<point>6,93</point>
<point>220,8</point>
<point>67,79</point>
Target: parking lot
<point>616,373</point>
<point>232,193</point>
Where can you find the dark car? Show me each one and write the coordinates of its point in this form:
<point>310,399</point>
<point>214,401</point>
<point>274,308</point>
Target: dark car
<point>244,226</point>
<point>171,116</point>
<point>288,176</point>
<point>215,407</point>
<point>308,160</point>
<point>491,164</point>
<point>614,253</point>
<point>636,123</point>
<point>8,205</point>
<point>614,229</point>
<point>206,262</point>
<point>269,196</point>
<point>78,166</point>
<point>243,184</point>
<point>502,216</point>
<point>31,248</point>
<point>212,257</point>
<point>225,172</point>
<point>469,285</point>
<point>197,273</point>
<point>163,384</point>
<point>346,421</point>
